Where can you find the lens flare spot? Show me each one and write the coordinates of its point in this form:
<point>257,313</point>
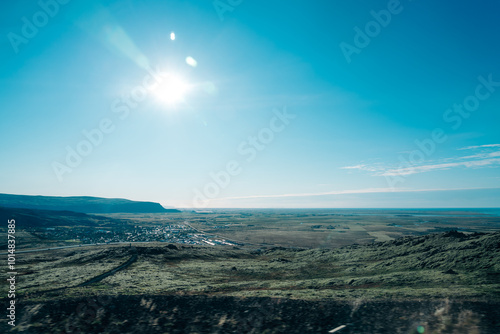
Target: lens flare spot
<point>191,62</point>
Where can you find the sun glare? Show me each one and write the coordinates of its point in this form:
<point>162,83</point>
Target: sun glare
<point>172,90</point>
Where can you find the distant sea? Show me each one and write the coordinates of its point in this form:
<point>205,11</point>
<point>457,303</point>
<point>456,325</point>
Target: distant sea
<point>443,212</point>
<point>493,212</point>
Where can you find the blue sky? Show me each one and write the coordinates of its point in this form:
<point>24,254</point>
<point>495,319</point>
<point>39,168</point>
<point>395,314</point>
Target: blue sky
<point>303,104</point>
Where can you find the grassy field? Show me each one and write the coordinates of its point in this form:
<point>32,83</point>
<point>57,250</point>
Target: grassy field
<point>335,228</point>
<point>434,266</point>
<point>447,282</point>
<point>353,268</point>
<point>316,228</point>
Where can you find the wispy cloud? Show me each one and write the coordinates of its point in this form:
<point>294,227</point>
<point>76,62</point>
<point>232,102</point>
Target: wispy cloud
<point>486,156</point>
<point>369,168</point>
<point>479,146</point>
<point>342,192</point>
<point>433,167</point>
<point>354,167</point>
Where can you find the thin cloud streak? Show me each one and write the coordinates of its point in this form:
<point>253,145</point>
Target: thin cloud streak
<point>373,168</point>
<point>478,160</point>
<point>344,192</point>
<point>479,146</point>
<point>429,168</point>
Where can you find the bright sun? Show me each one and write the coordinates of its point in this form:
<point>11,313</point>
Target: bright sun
<point>172,90</point>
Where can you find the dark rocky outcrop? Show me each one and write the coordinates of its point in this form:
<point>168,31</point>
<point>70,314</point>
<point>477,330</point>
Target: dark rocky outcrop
<point>203,314</point>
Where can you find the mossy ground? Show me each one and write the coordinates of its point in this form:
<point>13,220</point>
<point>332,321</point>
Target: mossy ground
<point>259,290</point>
<point>434,266</point>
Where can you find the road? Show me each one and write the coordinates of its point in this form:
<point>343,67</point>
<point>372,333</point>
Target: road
<point>63,247</point>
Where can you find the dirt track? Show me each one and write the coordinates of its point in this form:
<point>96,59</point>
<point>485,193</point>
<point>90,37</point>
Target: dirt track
<point>132,259</point>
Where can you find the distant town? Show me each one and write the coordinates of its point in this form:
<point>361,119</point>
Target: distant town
<point>174,233</point>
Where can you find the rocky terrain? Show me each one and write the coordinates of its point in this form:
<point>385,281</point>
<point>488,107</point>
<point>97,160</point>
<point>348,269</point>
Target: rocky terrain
<point>438,283</point>
<point>204,314</point>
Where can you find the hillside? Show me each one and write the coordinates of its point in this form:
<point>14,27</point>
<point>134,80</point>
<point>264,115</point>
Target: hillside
<point>83,204</point>
<point>49,218</point>
<point>444,283</point>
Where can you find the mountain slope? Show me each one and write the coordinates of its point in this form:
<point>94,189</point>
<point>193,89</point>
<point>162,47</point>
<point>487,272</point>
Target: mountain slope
<point>83,204</point>
<point>49,218</point>
<point>438,283</point>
